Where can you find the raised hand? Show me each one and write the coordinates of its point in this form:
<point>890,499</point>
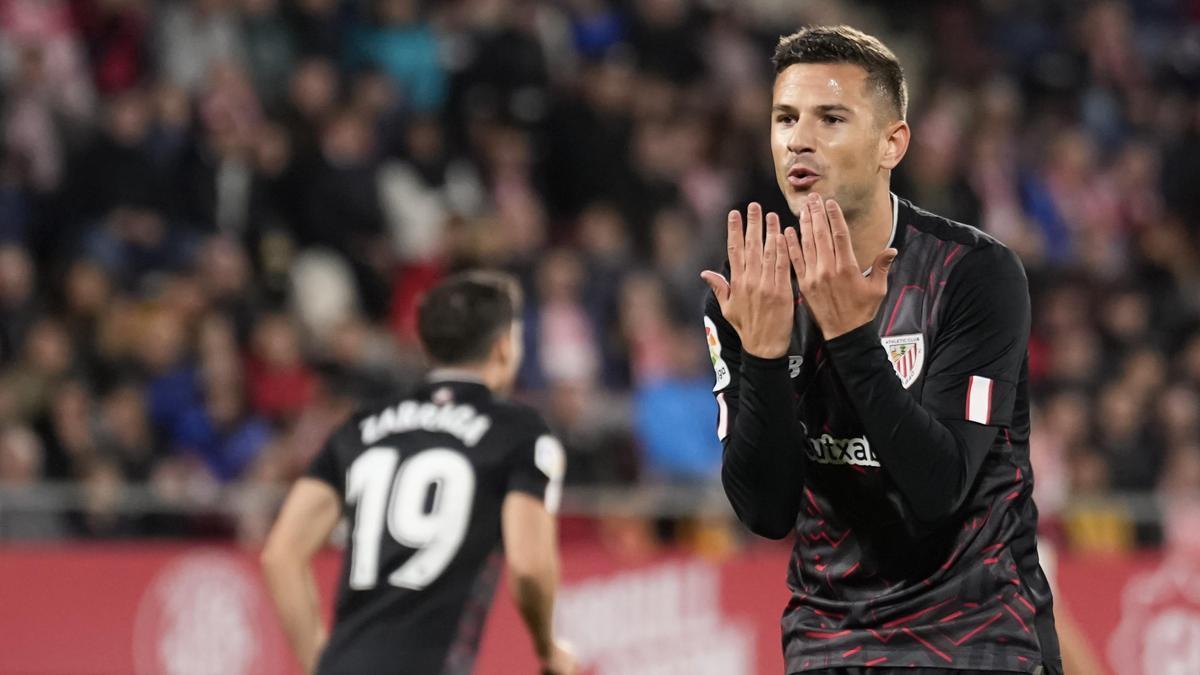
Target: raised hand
<point>839,298</point>
<point>757,298</point>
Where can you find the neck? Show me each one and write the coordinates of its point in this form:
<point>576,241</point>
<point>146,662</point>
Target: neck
<point>488,374</point>
<point>871,230</point>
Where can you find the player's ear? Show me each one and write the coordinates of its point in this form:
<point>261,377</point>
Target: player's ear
<point>895,139</point>
<point>507,347</point>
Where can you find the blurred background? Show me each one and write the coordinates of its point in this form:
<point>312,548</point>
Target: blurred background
<point>216,217</point>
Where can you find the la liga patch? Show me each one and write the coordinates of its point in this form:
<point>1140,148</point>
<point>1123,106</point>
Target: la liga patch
<point>714,353</point>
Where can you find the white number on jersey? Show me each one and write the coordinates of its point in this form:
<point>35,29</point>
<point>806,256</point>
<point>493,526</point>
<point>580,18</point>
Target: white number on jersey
<point>437,534</point>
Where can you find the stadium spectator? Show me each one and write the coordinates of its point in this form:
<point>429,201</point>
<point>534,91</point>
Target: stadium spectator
<point>673,425</point>
<point>398,40</point>
<point>280,383</point>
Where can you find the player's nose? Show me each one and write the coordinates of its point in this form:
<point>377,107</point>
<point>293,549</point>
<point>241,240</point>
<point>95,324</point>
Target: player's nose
<point>801,140</point>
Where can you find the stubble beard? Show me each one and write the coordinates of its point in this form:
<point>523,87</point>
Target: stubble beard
<point>854,200</point>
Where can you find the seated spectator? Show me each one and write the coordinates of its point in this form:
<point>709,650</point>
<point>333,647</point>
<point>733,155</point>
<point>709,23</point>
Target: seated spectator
<point>400,42</point>
<point>279,381</point>
<point>21,459</point>
<point>47,357</point>
<point>101,516</point>
<point>675,416</point>
<point>163,354</point>
<point>566,338</point>
<point>124,432</point>
<point>192,36</point>
<point>1180,486</point>
<point>215,424</point>
<point>67,431</point>
<point>270,48</point>
<point>18,303</point>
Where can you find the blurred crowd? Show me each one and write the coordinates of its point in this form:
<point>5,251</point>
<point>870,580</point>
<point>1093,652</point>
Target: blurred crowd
<point>216,217</point>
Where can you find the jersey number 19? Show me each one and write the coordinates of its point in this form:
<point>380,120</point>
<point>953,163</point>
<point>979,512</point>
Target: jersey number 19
<point>436,532</point>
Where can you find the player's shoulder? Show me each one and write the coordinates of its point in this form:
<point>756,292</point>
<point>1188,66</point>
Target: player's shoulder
<point>959,245</point>
<point>347,437</point>
<point>517,419</point>
<point>934,227</point>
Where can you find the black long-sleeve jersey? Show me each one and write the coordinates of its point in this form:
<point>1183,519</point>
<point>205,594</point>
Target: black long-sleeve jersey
<point>899,454</point>
<point>423,479</point>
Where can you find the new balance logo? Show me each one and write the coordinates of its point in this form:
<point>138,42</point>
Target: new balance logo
<point>829,450</point>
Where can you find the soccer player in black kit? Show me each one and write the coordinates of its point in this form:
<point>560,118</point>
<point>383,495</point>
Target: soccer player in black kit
<point>879,407</point>
<point>432,484</point>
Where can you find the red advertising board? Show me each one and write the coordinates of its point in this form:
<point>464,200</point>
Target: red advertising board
<point>1139,615</point>
<point>187,610</point>
<point>82,609</point>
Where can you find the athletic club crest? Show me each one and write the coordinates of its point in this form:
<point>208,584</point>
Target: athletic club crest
<point>907,354</point>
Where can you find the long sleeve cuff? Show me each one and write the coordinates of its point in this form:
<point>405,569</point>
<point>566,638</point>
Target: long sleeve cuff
<point>858,353</point>
<point>767,397</point>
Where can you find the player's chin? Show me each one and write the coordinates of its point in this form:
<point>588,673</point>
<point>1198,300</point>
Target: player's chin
<point>797,198</point>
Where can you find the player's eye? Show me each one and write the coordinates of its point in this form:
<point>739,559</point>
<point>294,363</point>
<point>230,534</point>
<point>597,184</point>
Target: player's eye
<point>832,119</point>
<point>785,119</point>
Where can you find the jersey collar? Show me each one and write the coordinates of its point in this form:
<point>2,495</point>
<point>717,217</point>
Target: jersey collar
<point>443,385</point>
<point>892,238</point>
<point>447,375</point>
<point>895,219</point>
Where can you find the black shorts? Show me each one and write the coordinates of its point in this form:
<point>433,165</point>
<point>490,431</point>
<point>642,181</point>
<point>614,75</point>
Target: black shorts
<point>863,670</point>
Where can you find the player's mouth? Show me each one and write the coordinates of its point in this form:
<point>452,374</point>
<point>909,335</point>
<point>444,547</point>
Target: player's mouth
<point>802,177</point>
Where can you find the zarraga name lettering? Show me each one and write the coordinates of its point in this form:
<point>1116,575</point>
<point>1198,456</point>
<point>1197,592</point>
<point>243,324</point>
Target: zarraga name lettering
<point>461,421</point>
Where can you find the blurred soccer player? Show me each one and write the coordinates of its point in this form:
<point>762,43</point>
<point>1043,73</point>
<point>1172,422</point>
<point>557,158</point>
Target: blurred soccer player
<point>431,484</point>
<point>880,410</point>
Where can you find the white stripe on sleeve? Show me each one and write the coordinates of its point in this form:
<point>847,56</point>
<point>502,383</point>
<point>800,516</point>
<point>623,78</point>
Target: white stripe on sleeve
<point>979,400</point>
<point>722,416</point>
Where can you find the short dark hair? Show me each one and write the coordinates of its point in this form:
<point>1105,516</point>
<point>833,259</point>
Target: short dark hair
<point>461,317</point>
<point>843,44</point>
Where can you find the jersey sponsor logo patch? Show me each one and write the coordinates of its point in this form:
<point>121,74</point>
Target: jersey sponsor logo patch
<point>907,354</point>
<point>794,363</point>
<point>826,449</point>
<point>714,353</point>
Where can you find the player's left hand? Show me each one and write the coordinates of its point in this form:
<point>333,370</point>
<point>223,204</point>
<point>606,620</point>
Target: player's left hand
<point>838,296</point>
<point>561,661</point>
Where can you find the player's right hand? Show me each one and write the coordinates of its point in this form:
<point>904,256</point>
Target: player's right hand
<point>561,661</point>
<point>757,298</point>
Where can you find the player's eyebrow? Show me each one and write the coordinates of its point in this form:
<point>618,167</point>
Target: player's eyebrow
<point>822,109</point>
<point>832,107</point>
